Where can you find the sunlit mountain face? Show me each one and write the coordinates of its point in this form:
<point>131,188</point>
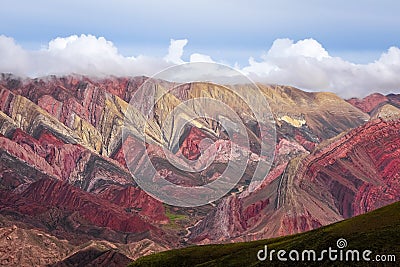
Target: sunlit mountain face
<point>135,129</point>
<point>71,147</point>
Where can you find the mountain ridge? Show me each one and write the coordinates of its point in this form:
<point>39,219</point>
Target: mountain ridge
<point>65,134</point>
<point>361,232</point>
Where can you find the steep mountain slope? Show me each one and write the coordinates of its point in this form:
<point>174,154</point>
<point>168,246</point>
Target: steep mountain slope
<point>370,103</point>
<point>64,170</point>
<point>350,175</point>
<point>29,247</point>
<point>377,231</point>
<point>95,257</point>
<point>81,120</point>
<point>24,246</point>
<point>325,114</point>
<point>387,112</point>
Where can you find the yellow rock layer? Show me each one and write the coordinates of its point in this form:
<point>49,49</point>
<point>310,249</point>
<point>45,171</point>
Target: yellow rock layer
<point>387,112</point>
<point>29,117</point>
<point>88,134</point>
<point>6,124</point>
<point>294,122</point>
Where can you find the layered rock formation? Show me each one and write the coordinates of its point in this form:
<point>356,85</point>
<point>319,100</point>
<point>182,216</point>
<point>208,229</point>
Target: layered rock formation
<point>65,169</point>
<point>370,103</point>
<point>352,174</point>
<point>23,246</point>
<point>57,173</point>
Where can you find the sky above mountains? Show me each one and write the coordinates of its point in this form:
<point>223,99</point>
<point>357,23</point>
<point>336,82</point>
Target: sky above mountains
<point>347,47</point>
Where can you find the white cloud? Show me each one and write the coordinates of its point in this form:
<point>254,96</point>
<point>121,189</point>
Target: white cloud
<point>303,48</point>
<point>196,57</point>
<point>175,51</point>
<point>305,64</point>
<point>85,54</point>
<point>13,58</point>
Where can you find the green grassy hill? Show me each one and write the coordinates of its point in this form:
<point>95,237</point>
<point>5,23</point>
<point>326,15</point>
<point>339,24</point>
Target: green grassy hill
<point>378,231</point>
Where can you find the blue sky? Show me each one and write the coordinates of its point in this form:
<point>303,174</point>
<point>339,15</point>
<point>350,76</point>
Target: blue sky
<point>225,30</point>
<point>318,45</point>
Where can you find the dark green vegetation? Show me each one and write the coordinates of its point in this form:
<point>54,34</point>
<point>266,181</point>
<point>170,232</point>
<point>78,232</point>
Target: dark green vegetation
<point>378,231</point>
<point>173,216</point>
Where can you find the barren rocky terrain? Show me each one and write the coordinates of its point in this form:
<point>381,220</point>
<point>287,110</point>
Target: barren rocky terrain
<point>66,189</point>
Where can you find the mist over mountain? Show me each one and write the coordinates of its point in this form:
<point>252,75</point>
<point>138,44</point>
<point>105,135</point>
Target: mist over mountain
<point>304,64</point>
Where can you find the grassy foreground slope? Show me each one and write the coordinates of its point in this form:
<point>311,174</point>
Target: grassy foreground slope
<point>378,231</point>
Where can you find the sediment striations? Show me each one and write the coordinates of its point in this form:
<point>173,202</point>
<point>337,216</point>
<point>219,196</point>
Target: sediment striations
<point>347,176</point>
<point>45,194</point>
<point>386,112</point>
<point>22,246</point>
<point>57,174</point>
<point>30,247</point>
<point>64,167</point>
<point>325,115</point>
<point>370,103</point>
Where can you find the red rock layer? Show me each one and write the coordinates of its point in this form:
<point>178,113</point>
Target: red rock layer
<point>135,200</point>
<point>354,174</point>
<point>44,194</point>
<point>190,146</point>
<point>369,103</point>
<point>361,169</point>
<point>61,160</point>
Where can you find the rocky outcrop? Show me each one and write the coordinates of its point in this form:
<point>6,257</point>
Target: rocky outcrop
<point>366,157</point>
<point>325,114</point>
<point>370,103</point>
<point>30,247</point>
<point>23,246</point>
<point>64,164</point>
<point>47,193</point>
<point>347,176</point>
<point>135,200</point>
<point>386,112</point>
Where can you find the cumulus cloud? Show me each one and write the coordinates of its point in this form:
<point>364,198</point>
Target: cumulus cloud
<point>305,64</point>
<point>85,54</point>
<point>303,48</point>
<point>196,57</point>
<point>13,58</point>
<point>175,51</point>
